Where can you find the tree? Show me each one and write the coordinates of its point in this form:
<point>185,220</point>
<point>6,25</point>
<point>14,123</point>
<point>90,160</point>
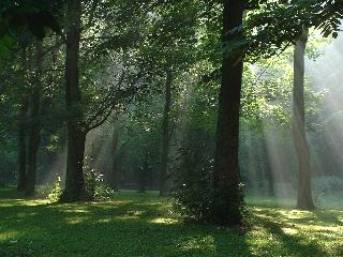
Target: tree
<point>22,124</point>
<point>260,42</point>
<point>227,200</point>
<point>304,199</point>
<point>166,133</point>
<point>34,124</point>
<point>29,120</point>
<point>91,99</point>
<point>164,53</point>
<point>74,185</point>
<point>22,147</point>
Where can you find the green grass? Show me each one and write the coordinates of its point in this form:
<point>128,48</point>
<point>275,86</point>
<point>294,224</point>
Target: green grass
<point>132,225</point>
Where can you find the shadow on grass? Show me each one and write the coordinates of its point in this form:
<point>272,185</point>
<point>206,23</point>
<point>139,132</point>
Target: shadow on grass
<point>291,245</point>
<point>300,233</point>
<point>122,227</point>
<point>131,225</point>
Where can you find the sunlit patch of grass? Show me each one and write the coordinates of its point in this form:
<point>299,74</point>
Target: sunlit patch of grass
<point>75,220</point>
<point>8,235</point>
<point>328,203</point>
<point>290,231</point>
<point>136,225</point>
<point>195,243</point>
<point>76,211</point>
<point>21,202</point>
<point>313,233</point>
<point>271,202</point>
<point>162,220</point>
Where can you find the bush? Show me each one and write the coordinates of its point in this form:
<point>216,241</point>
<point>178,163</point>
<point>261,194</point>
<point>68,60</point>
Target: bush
<point>193,191</point>
<point>195,195</point>
<point>56,191</point>
<point>95,186</point>
<point>51,191</point>
<point>103,191</point>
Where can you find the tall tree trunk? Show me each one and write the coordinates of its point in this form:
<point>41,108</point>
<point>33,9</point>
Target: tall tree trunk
<point>268,172</point>
<point>304,199</point>
<point>165,135</point>
<point>34,127</point>
<point>142,174</point>
<point>114,178</point>
<point>74,185</point>
<point>227,202</point>
<point>22,145</point>
<point>22,142</point>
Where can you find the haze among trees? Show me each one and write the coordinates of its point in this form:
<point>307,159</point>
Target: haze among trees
<point>171,128</point>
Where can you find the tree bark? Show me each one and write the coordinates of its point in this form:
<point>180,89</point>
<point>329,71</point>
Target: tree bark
<point>22,142</point>
<point>304,199</point>
<point>74,185</point>
<point>22,145</point>
<point>227,195</point>
<point>165,136</point>
<point>34,127</point>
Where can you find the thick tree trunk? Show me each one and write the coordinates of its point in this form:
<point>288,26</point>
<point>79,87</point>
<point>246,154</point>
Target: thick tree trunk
<point>227,202</point>
<point>304,200</point>
<point>34,127</point>
<point>22,146</point>
<point>165,136</point>
<point>74,185</point>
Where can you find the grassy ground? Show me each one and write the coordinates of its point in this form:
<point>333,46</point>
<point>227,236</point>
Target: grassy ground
<point>134,225</point>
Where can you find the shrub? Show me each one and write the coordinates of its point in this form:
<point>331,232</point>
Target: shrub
<point>51,191</point>
<point>56,191</point>
<point>95,186</point>
<point>193,191</point>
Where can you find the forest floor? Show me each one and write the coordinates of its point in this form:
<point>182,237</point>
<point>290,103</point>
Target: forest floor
<point>133,225</point>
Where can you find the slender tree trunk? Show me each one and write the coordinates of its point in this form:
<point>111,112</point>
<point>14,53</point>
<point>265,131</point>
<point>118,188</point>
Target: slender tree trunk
<point>165,136</point>
<point>227,201</point>
<point>22,145</point>
<point>304,200</point>
<point>142,175</point>
<point>34,127</point>
<point>114,178</point>
<point>22,142</point>
<point>267,167</point>
<point>74,185</point>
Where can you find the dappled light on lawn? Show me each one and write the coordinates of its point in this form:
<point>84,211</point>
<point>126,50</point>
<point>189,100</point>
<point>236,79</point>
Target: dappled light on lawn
<point>131,225</point>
